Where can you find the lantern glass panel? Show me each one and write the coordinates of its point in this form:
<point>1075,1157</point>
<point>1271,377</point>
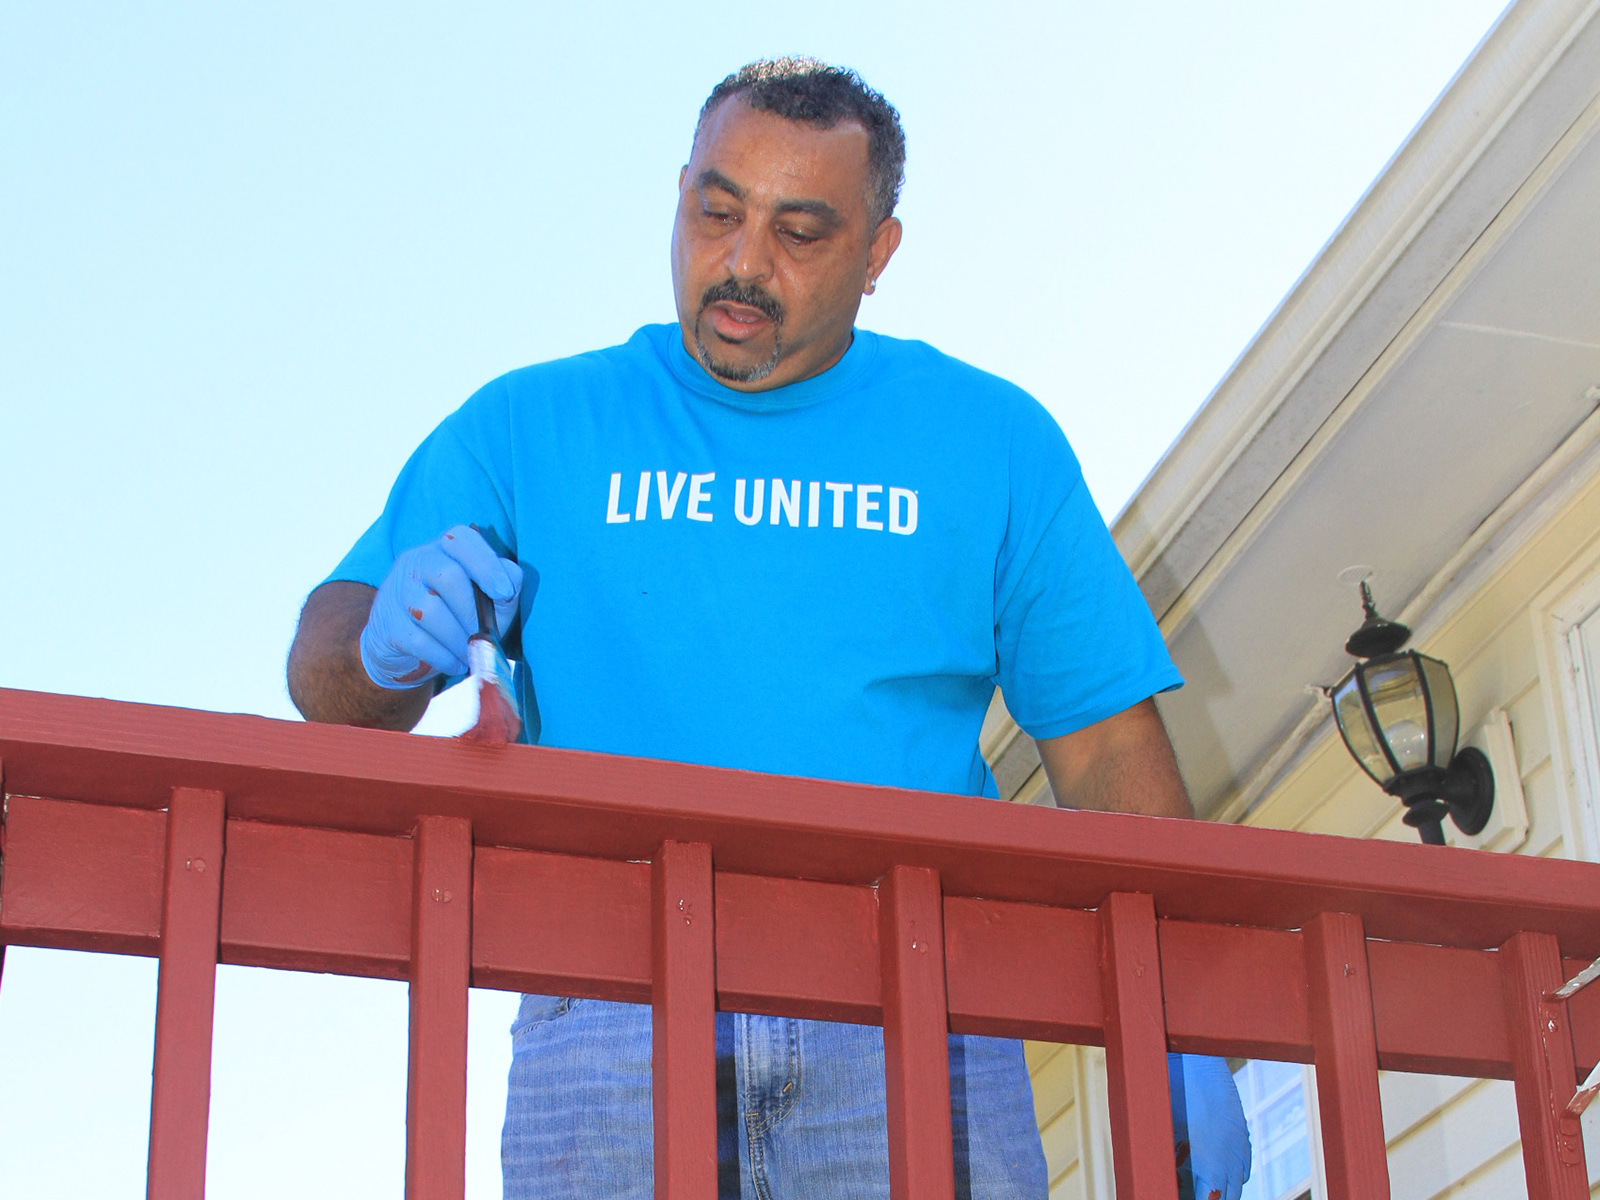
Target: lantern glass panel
<point>1358,734</point>
<point>1395,685</point>
<point>1446,716</point>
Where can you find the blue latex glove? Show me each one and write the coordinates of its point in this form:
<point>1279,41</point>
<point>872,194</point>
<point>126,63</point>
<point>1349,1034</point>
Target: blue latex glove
<point>1212,1141</point>
<point>424,611</point>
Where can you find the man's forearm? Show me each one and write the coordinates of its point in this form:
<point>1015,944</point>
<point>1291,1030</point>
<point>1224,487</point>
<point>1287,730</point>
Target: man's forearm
<point>326,679</point>
<point>1122,764</point>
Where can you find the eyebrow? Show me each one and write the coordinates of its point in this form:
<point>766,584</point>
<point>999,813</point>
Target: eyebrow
<point>820,209</point>
<point>712,178</point>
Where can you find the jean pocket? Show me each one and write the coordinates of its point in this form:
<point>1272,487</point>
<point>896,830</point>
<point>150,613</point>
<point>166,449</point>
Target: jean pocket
<point>538,1010</point>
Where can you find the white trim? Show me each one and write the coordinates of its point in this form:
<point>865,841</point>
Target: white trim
<point>1094,1125</point>
<point>1319,1162</point>
<point>1507,108</point>
<point>1556,613</point>
<point>1507,830</point>
<point>1282,490</point>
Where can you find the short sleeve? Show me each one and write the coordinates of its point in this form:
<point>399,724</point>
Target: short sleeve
<point>451,479</point>
<point>1074,638</point>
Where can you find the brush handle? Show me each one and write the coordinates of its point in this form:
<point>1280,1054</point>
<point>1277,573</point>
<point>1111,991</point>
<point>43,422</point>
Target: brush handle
<point>487,625</point>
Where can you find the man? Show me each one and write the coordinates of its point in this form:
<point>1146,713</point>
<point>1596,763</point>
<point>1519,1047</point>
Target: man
<point>762,538</point>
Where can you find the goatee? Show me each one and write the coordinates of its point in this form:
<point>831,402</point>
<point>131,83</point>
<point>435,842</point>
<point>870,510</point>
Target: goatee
<point>753,296</point>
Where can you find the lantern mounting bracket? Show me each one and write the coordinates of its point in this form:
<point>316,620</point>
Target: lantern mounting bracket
<point>1465,791</point>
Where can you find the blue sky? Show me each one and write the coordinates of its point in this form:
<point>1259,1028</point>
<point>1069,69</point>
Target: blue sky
<point>253,253</point>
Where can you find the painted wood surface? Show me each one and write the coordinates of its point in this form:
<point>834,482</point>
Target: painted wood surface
<point>1545,1075</point>
<point>1136,1050</point>
<point>1345,1047</point>
<point>441,933</point>
<point>826,901</point>
<point>564,801</point>
<point>180,1089</point>
<point>683,999</point>
<point>916,1047</point>
<point>321,900</point>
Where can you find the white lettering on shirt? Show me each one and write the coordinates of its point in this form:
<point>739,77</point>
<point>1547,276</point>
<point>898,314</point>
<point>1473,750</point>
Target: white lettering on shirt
<point>738,501</point>
<point>838,490</point>
<point>613,517</point>
<point>906,524</point>
<point>878,506</point>
<point>698,496</point>
<point>668,500</point>
<point>789,504</point>
<point>867,504</point>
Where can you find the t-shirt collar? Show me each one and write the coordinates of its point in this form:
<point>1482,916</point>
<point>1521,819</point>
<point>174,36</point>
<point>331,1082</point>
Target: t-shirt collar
<point>844,374</point>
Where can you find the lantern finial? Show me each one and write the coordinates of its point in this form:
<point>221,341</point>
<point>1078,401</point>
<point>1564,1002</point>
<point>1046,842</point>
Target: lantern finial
<point>1376,635</point>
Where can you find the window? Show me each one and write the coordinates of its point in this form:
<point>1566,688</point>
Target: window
<point>1274,1096</point>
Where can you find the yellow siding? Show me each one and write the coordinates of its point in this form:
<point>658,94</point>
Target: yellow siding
<point>1055,1104</point>
<point>1069,1103</point>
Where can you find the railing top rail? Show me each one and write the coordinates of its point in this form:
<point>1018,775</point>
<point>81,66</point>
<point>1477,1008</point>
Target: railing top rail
<point>76,748</point>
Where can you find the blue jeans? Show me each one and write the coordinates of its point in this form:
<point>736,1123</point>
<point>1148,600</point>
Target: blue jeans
<point>807,1114</point>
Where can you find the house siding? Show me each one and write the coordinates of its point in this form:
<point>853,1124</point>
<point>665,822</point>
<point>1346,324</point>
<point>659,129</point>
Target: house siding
<point>1069,1101</point>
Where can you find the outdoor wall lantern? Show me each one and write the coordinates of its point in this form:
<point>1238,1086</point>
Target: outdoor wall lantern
<point>1398,715</point>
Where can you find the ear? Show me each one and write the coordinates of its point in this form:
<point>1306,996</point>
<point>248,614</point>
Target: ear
<point>885,241</point>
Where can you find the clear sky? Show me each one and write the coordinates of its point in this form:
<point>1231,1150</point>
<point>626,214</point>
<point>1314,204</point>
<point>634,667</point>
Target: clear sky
<point>251,254</point>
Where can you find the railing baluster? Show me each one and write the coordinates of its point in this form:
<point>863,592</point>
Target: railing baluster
<point>1543,1067</point>
<point>683,995</point>
<point>1136,1049</point>
<point>916,1026</point>
<point>191,904</point>
<point>441,934</point>
<point>1345,1046</point>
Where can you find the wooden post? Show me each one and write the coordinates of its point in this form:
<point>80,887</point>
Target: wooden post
<point>191,905</point>
<point>1543,1068</point>
<point>1344,1044</point>
<point>441,936</point>
<point>1136,1049</point>
<point>916,1030</point>
<point>683,1015</point>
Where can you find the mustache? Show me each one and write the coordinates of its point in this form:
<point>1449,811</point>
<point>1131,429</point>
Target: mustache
<point>730,290</point>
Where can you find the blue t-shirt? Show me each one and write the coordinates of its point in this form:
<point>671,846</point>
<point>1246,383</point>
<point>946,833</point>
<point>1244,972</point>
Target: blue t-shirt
<point>824,579</point>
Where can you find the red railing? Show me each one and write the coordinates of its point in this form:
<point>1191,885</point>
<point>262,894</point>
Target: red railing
<point>202,837</point>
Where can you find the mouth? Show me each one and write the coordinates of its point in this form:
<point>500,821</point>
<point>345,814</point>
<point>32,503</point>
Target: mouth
<point>737,322</point>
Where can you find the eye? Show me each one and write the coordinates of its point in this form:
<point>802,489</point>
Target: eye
<point>799,237</point>
<point>716,214</point>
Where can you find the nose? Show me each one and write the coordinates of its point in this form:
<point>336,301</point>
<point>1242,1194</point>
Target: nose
<point>749,257</point>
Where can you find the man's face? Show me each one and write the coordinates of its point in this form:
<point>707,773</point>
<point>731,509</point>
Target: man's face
<point>773,246</point>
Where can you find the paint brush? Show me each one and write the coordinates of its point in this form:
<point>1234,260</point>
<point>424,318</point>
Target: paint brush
<point>499,718</point>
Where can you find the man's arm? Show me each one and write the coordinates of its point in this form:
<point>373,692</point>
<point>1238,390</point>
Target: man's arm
<point>1121,764</point>
<point>326,679</point>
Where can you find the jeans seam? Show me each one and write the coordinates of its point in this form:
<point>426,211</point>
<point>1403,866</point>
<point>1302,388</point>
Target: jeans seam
<point>752,1124</point>
<point>758,1166</point>
<point>765,1124</point>
<point>564,1005</point>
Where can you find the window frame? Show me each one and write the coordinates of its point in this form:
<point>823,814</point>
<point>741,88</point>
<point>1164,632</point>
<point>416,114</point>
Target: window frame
<point>1559,615</point>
